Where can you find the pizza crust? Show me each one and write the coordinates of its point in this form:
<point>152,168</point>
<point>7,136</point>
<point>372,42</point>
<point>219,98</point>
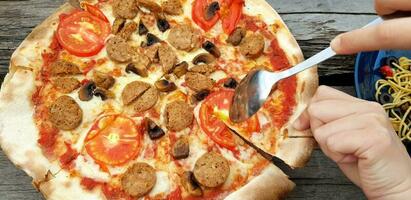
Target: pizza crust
<point>18,87</point>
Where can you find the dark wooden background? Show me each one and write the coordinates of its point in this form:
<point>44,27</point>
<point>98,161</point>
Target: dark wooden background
<point>313,22</point>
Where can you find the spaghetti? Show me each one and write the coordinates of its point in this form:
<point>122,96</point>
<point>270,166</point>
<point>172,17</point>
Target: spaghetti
<point>394,93</point>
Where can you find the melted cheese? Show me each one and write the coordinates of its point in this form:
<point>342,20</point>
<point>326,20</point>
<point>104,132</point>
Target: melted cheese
<point>88,168</point>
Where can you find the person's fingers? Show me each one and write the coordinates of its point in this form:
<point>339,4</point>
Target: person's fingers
<point>325,92</point>
<point>391,34</point>
<point>303,122</point>
<point>330,110</point>
<point>386,7</point>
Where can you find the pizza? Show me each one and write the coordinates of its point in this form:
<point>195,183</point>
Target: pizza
<point>129,99</point>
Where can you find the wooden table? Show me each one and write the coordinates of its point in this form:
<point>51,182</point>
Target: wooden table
<point>314,23</point>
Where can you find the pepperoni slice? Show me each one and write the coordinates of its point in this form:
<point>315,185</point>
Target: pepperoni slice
<point>113,140</point>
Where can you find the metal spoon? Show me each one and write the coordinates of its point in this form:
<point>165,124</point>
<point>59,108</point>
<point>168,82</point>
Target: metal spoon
<point>256,87</point>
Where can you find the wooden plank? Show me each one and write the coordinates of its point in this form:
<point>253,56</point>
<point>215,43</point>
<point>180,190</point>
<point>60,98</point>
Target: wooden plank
<point>322,6</point>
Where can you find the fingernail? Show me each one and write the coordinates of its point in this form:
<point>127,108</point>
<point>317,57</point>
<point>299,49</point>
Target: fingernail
<point>336,43</point>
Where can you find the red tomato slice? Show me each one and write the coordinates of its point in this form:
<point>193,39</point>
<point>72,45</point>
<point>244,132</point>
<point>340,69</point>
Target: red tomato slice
<point>94,11</point>
<point>113,140</point>
<point>214,117</point>
<point>198,15</point>
<point>231,15</point>
<point>82,34</point>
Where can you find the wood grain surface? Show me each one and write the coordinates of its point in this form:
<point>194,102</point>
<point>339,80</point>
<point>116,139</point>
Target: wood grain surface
<point>314,23</point>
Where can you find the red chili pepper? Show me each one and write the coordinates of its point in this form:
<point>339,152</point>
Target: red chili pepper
<point>387,71</point>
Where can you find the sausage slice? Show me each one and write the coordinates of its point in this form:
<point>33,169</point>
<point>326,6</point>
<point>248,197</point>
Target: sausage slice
<point>204,69</point>
<point>252,46</point>
<point>103,80</point>
<point>118,49</point>
<point>127,30</point>
<point>65,113</point>
<point>152,52</point>
<point>139,179</point>
<point>63,68</point>
<point>142,96</point>
<point>172,7</point>
<point>125,8</point>
<point>179,115</point>
<point>211,170</point>
<point>198,82</point>
<point>66,85</point>
<point>151,5</point>
<point>184,37</point>
<point>167,57</point>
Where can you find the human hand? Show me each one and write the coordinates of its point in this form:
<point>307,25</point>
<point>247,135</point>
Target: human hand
<point>391,34</point>
<point>359,137</point>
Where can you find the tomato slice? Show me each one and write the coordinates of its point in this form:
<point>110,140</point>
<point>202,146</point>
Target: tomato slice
<point>231,13</point>
<point>94,11</point>
<point>214,119</point>
<point>113,140</point>
<point>198,14</point>
<point>83,34</point>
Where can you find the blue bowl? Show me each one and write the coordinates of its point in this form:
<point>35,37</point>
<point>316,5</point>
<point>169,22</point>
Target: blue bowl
<point>367,73</point>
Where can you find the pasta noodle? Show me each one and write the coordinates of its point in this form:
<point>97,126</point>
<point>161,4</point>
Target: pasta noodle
<point>399,87</point>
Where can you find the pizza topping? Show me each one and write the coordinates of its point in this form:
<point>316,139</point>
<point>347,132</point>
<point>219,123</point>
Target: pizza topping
<point>139,59</point>
<point>118,25</point>
<point>66,85</point>
<point>118,49</point>
<point>211,48</point>
<point>211,170</point>
<point>184,37</point>
<point>190,184</point>
<point>179,115</point>
<point>125,8</point>
<point>180,69</point>
<point>167,57</point>
<point>127,30</point>
<point>152,39</point>
<point>137,69</point>
<point>201,95</point>
<point>172,7</point>
<point>165,85</point>
<point>86,92</point>
<point>211,10</point>
<point>68,157</point>
<point>153,130</point>
<point>198,82</point>
<point>103,80</point>
<point>147,100</point>
<point>231,14</point>
<point>113,140</point>
<point>134,90</point>
<point>150,5</point>
<point>230,83</point>
<point>82,33</point>
<point>65,113</point>
<point>203,69</point>
<point>181,148</point>
<point>198,15</point>
<point>162,24</point>
<point>142,29</point>
<point>252,46</point>
<point>205,58</point>
<point>103,93</point>
<point>63,68</point>
<point>139,179</point>
<point>152,53</point>
<point>236,36</point>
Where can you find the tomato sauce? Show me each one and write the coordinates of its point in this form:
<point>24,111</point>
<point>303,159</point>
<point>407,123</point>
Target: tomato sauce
<point>66,160</point>
<point>89,183</point>
<point>113,193</point>
<point>281,114</point>
<point>48,137</point>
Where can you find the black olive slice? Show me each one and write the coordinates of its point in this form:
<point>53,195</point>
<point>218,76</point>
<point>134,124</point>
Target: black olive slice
<point>390,60</point>
<point>211,48</point>
<point>385,98</point>
<point>230,83</point>
<point>152,39</point>
<point>211,10</point>
<point>142,29</point>
<point>162,24</point>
